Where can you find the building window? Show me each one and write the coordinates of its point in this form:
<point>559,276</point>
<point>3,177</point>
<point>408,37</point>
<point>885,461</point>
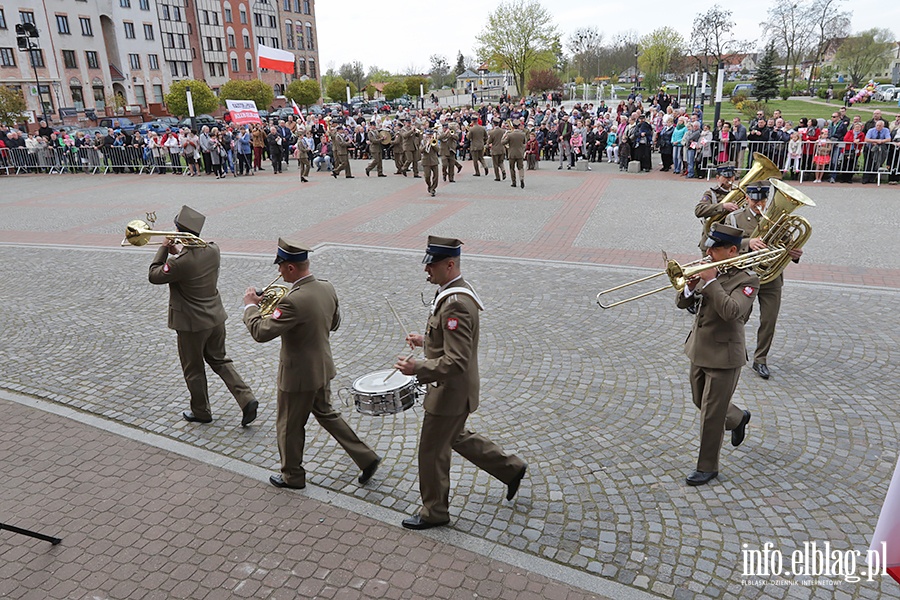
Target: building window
<point>299,36</point>
<point>173,67</point>
<point>296,6</point>
<point>260,40</point>
<point>145,4</point>
<point>205,17</point>
<point>219,44</point>
<point>257,19</point>
<point>165,12</point>
<point>312,68</point>
<point>135,61</point>
<point>249,65</point>
<point>86,28</point>
<point>169,40</point>
<point>90,57</point>
<point>243,16</point>
<point>273,22</point>
<point>99,97</point>
<point>301,66</point>
<point>69,59</point>
<point>306,7</point>
<point>129,30</point>
<point>231,40</point>
<point>246,41</point>
<point>176,13</point>
<point>7,57</point>
<point>181,40</point>
<point>26,17</point>
<point>2,19</point>
<point>77,97</point>
<point>228,15</point>
<point>234,65</point>
<point>215,18</point>
<point>148,31</point>
<point>157,93</point>
<point>289,35</point>
<point>309,38</point>
<point>287,6</point>
<point>184,68</point>
<point>139,95</point>
<point>37,58</point>
<point>62,24</point>
<point>153,59</point>
<point>125,3</point>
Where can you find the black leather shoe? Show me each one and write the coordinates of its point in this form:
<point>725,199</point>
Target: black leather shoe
<point>367,473</point>
<point>278,481</point>
<point>522,184</point>
<point>417,522</point>
<point>740,432</point>
<point>382,175</point>
<point>513,486</point>
<point>367,172</point>
<point>190,418</point>
<point>459,168</point>
<point>761,370</point>
<point>249,413</point>
<point>513,184</point>
<point>701,478</point>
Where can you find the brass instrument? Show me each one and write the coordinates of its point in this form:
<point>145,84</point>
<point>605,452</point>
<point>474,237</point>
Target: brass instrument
<point>138,233</point>
<point>271,295</point>
<point>781,229</point>
<point>762,168</point>
<point>385,138</point>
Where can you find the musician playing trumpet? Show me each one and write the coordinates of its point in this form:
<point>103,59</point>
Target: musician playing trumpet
<point>430,161</point>
<point>716,347</point>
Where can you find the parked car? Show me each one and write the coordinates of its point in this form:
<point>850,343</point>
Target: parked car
<point>159,126</point>
<point>92,131</point>
<point>170,121</point>
<point>123,123</point>
<point>281,113</point>
<point>745,89</point>
<point>201,120</point>
<point>885,93</point>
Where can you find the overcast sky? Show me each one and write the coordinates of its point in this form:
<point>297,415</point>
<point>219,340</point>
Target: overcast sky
<point>398,35</point>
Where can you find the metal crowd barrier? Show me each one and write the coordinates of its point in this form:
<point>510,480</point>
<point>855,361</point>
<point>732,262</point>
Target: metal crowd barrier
<point>69,159</point>
<point>844,159</point>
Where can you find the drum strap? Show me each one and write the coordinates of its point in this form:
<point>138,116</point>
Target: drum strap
<point>456,290</point>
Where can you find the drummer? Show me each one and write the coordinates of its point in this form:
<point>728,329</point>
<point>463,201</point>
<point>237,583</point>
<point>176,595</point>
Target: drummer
<point>304,318</point>
<point>451,366</point>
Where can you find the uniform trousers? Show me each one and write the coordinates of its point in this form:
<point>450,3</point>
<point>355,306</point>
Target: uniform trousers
<point>517,164</point>
<point>399,158</point>
<point>712,390</point>
<point>442,434</point>
<point>304,163</point>
<point>342,163</point>
<point>448,167</point>
<point>769,297</point>
<point>376,161</point>
<point>431,177</point>
<point>497,159</point>
<point>410,160</point>
<point>478,159</point>
<point>197,347</point>
<point>290,427</point>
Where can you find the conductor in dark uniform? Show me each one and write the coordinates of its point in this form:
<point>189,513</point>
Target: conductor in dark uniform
<point>450,371</point>
<point>748,219</point>
<point>198,317</point>
<point>716,347</point>
<point>304,319</point>
<point>711,204</point>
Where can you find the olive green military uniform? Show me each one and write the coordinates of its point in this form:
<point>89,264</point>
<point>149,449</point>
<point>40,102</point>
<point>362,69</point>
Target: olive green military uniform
<point>498,151</point>
<point>342,145</point>
<point>515,143</point>
<point>411,142</point>
<point>303,319</point>
<point>478,139</point>
<point>449,143</point>
<point>375,148</point>
<point>430,163</point>
<point>710,205</point>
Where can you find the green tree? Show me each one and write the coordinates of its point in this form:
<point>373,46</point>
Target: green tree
<point>460,64</point>
<point>394,90</point>
<point>520,35</point>
<point>303,91</point>
<point>767,75</point>
<point>12,105</point>
<point>336,89</point>
<point>543,80</point>
<point>205,101</point>
<point>440,69</point>
<point>254,89</point>
<point>863,54</point>
<point>413,84</point>
<point>712,39</point>
<point>657,51</point>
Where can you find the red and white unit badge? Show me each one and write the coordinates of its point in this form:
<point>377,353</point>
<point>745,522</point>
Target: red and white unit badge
<point>748,291</point>
<point>276,313</point>
<point>452,323</point>
<point>166,268</point>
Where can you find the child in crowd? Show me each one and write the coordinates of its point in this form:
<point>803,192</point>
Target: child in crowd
<point>795,155</point>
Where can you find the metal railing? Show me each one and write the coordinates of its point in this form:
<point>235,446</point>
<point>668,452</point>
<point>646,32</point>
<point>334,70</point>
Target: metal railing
<point>69,159</point>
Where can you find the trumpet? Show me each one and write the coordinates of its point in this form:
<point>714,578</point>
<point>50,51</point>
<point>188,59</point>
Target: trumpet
<point>271,295</point>
<point>138,233</point>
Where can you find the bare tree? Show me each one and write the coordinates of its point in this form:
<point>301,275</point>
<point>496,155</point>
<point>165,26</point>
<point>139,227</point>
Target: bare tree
<point>712,39</point>
<point>864,53</point>
<point>829,22</point>
<point>790,27</point>
<point>585,44</point>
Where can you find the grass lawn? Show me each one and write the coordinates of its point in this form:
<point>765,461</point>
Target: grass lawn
<point>795,108</point>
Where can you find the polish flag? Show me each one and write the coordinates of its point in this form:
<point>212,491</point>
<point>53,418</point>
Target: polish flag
<point>297,112</point>
<point>275,59</point>
<point>886,539</point>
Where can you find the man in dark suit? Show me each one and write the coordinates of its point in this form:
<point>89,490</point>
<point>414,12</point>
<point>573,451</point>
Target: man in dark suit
<point>198,317</point>
<point>716,347</point>
<point>450,370</point>
<point>514,140</point>
<point>304,318</point>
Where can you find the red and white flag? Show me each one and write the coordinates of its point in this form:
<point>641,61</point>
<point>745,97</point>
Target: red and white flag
<point>886,539</point>
<point>297,112</point>
<point>275,59</point>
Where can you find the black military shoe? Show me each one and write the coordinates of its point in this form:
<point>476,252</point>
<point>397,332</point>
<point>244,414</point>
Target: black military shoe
<point>190,418</point>
<point>367,473</point>
<point>740,432</point>
<point>417,522</point>
<point>701,478</point>
<point>513,486</point>
<point>761,369</point>
<point>249,413</point>
<point>278,481</point>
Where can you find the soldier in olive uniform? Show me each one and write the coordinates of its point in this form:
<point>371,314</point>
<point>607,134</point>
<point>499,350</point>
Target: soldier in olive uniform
<point>342,143</point>
<point>450,370</point>
<point>430,161</point>
<point>397,150</point>
<point>478,139</point>
<point>410,137</point>
<point>514,140</point>
<point>716,348</point>
<point>747,219</point>
<point>375,149</point>
<point>449,142</point>
<point>304,318</point>
<point>198,317</point>
<point>711,204</point>
<point>498,150</point>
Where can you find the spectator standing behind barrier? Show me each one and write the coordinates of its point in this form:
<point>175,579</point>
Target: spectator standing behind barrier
<point>274,142</point>
<point>678,144</point>
<point>853,144</point>
<point>894,152</point>
<point>258,142</point>
<point>837,129</point>
<point>205,145</point>
<point>877,139</point>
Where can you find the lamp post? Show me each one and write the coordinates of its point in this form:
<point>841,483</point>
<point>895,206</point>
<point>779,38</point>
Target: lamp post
<point>637,80</point>
<point>190,103</point>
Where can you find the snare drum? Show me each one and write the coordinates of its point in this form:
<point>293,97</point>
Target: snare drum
<point>375,396</point>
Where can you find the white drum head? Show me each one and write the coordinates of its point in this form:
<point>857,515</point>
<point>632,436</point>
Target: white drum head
<point>374,383</point>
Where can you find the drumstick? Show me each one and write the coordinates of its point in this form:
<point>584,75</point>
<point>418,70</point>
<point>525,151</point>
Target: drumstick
<point>397,316</point>
<point>391,374</point>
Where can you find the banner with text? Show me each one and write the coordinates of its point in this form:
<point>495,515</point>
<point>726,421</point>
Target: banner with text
<point>243,111</point>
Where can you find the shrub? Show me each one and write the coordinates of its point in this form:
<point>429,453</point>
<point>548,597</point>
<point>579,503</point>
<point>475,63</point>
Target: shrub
<point>822,93</point>
<point>785,93</point>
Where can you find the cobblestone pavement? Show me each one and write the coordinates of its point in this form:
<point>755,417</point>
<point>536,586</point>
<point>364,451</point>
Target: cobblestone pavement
<point>597,402</point>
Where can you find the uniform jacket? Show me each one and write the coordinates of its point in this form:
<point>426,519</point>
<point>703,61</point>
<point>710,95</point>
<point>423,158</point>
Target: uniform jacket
<point>341,145</point>
<point>409,139</point>
<point>430,156</point>
<point>303,318</point>
<point>716,340</point>
<point>192,276</point>
<point>478,137</point>
<point>451,356</point>
<point>374,138</point>
<point>449,142</point>
<point>495,138</point>
<point>515,142</point>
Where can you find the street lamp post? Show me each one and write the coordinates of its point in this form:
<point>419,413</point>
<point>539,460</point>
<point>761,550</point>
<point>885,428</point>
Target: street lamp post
<point>190,103</point>
<point>637,80</point>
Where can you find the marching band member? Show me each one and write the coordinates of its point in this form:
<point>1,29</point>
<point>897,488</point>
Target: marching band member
<point>430,161</point>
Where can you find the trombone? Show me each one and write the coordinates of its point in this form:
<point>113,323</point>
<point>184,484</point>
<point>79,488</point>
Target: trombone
<point>138,233</point>
<point>679,275</point>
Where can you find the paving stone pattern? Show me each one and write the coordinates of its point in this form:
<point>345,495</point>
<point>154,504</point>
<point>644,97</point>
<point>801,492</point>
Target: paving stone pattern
<point>597,402</point>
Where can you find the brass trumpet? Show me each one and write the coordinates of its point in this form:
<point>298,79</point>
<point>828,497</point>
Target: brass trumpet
<point>138,233</point>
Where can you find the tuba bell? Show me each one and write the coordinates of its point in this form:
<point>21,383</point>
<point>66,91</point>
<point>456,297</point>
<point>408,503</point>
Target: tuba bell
<point>778,228</point>
<point>762,168</point>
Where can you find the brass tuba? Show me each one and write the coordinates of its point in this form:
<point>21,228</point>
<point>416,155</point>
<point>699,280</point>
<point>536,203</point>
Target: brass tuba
<point>138,233</point>
<point>271,295</point>
<point>778,228</point>
<point>762,168</point>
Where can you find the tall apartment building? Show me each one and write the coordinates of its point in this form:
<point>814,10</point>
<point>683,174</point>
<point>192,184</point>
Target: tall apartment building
<point>91,51</point>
